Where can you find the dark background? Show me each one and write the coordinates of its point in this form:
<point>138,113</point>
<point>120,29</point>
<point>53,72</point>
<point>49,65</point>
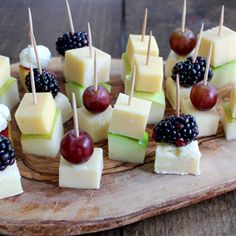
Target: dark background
<point>111,22</point>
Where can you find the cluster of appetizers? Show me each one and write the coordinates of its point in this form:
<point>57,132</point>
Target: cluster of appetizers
<point>195,70</point>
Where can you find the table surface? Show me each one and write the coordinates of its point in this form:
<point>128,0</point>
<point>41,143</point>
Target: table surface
<point>111,22</point>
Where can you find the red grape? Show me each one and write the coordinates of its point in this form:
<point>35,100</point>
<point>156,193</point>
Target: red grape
<point>203,97</point>
<point>182,42</point>
<point>5,132</point>
<point>77,150</point>
<point>96,101</point>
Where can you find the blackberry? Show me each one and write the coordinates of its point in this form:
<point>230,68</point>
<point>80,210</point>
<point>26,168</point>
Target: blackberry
<point>45,82</point>
<point>177,131</point>
<point>70,41</point>
<point>7,153</point>
<point>191,73</point>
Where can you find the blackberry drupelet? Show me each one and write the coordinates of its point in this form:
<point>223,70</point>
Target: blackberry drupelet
<point>7,153</point>
<point>70,41</point>
<point>177,131</point>
<point>191,73</point>
<point>46,82</point>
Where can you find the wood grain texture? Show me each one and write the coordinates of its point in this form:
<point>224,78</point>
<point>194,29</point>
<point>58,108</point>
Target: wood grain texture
<point>129,192</point>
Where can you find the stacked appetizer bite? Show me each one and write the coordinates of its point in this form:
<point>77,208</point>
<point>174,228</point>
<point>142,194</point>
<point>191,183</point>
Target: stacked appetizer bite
<point>182,42</point>
<point>9,94</point>
<point>94,117</point>
<point>177,149</point>
<point>127,138</point>
<point>81,164</point>
<point>223,59</point>
<point>10,179</point>
<point>40,123</point>
<point>78,69</point>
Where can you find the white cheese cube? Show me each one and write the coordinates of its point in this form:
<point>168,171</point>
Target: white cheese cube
<point>136,46</point>
<point>79,66</point>
<point>4,70</point>
<point>121,148</point>
<point>130,120</point>
<point>96,125</point>
<point>171,92</point>
<point>83,176</point>
<point>223,47</point>
<point>10,182</point>
<point>207,121</point>
<point>149,78</point>
<point>9,93</point>
<point>232,102</point>
<point>228,122</point>
<point>63,104</point>
<point>46,145</point>
<point>157,99</point>
<point>172,59</point>
<point>177,160</point>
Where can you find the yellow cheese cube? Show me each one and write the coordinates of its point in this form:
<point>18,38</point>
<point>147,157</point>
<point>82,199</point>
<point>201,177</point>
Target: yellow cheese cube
<point>36,119</point>
<point>4,70</point>
<point>223,47</point>
<point>130,120</point>
<point>232,102</point>
<point>136,46</point>
<point>149,78</point>
<point>79,66</point>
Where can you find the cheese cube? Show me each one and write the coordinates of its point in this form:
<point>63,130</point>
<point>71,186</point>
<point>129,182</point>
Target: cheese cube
<point>228,122</point>
<point>207,121</point>
<point>83,176</point>
<point>96,125</point>
<point>184,93</point>
<point>130,120</point>
<point>223,47</point>
<point>72,87</point>
<point>122,148</point>
<point>233,102</point>
<point>157,99</point>
<point>172,59</point>
<point>36,119</point>
<point>63,104</point>
<point>79,66</point>
<point>44,144</point>
<point>9,93</point>
<point>149,78</point>
<point>10,182</point>
<point>4,70</point>
<point>177,160</point>
<point>136,46</point>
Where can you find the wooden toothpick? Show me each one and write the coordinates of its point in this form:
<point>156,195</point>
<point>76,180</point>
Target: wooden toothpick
<point>95,72</point>
<point>70,17</point>
<point>33,85</point>
<point>183,17</point>
<point>177,96</point>
<point>132,85</point>
<point>75,115</point>
<point>207,66</point>
<point>30,26</point>
<point>221,20</point>
<point>198,43</point>
<point>90,40</point>
<point>144,24</point>
<point>149,47</point>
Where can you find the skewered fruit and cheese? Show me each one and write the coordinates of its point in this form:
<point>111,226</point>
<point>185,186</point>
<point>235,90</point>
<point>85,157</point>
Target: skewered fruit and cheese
<point>122,148</point>
<point>78,66</point>
<point>130,120</point>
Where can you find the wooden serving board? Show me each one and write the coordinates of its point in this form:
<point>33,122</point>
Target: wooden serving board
<point>128,192</point>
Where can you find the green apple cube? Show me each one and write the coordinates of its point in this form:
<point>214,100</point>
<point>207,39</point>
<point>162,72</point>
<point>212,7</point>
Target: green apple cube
<point>228,122</point>
<point>44,144</point>
<point>158,101</point>
<point>122,148</point>
<point>9,93</point>
<point>224,75</point>
<point>72,87</point>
